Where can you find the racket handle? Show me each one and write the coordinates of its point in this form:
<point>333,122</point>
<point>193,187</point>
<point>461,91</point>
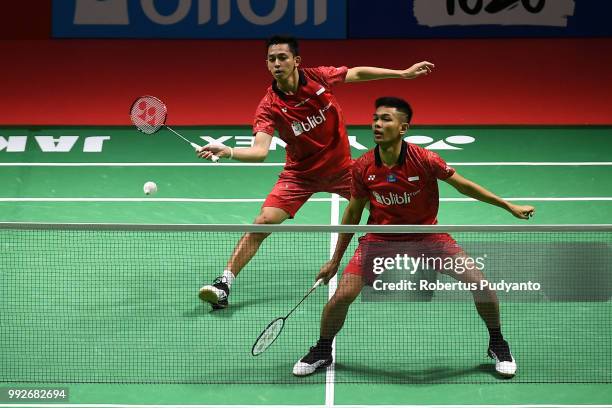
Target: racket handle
<point>213,158</point>
<point>317,283</point>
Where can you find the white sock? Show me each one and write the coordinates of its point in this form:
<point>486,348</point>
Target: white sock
<point>229,276</point>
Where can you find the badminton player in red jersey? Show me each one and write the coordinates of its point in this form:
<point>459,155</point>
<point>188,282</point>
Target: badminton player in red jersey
<point>400,182</point>
<point>300,105</point>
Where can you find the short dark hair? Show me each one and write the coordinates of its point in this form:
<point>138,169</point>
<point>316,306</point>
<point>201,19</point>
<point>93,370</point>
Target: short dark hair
<point>397,103</point>
<point>292,42</point>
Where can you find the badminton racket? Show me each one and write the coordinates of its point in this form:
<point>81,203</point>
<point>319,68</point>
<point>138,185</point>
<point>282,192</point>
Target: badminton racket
<point>149,114</point>
<point>275,327</point>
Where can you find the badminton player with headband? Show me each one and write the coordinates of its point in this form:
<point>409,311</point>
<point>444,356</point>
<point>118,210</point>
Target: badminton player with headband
<point>149,114</point>
<point>301,106</point>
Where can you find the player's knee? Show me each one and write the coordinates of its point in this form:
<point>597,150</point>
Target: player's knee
<point>469,276</point>
<point>475,276</point>
<point>344,297</point>
<point>266,218</point>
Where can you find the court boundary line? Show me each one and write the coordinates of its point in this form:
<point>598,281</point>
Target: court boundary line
<point>260,200</point>
<point>55,405</point>
<point>273,164</point>
<point>330,372</point>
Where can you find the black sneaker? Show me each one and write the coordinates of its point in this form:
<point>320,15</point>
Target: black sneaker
<point>216,294</point>
<point>504,361</point>
<point>315,359</point>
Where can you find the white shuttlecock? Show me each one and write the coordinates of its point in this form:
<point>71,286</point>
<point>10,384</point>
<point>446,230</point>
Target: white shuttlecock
<point>150,188</point>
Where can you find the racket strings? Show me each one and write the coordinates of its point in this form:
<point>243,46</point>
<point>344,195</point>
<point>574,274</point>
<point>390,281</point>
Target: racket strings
<point>268,336</point>
<point>148,114</point>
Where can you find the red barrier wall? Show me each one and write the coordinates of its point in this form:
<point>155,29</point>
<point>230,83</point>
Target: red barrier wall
<point>25,20</point>
<point>516,82</point>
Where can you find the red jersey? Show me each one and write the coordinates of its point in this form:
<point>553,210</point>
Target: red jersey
<point>405,194</point>
<point>310,122</point>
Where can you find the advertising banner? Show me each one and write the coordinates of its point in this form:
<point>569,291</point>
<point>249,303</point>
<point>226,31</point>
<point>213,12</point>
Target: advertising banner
<point>480,18</point>
<point>219,19</point>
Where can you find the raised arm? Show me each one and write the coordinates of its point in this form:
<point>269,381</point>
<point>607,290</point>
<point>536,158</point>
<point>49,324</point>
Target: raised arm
<point>352,216</point>
<point>256,153</point>
<point>357,74</point>
<point>473,190</point>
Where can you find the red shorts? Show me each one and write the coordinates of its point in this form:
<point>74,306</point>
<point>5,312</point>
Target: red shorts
<point>431,245</point>
<point>291,192</point>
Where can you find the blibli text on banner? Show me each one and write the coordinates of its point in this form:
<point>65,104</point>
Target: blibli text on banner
<point>221,19</point>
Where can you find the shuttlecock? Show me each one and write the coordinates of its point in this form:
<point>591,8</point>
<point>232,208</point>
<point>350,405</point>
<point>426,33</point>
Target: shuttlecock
<point>150,188</point>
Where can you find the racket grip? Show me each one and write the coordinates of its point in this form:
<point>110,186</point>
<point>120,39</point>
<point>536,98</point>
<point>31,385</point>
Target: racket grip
<point>213,158</point>
<point>317,283</point>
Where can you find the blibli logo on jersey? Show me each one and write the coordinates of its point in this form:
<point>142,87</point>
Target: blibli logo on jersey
<point>392,198</point>
<point>311,122</point>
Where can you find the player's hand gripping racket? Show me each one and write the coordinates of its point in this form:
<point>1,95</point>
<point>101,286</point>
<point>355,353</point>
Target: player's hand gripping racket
<point>274,329</point>
<point>149,114</point>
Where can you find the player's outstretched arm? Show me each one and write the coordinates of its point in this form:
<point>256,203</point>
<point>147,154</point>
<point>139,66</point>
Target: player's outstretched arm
<point>254,154</point>
<point>352,216</point>
<point>473,190</point>
<point>357,74</point>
